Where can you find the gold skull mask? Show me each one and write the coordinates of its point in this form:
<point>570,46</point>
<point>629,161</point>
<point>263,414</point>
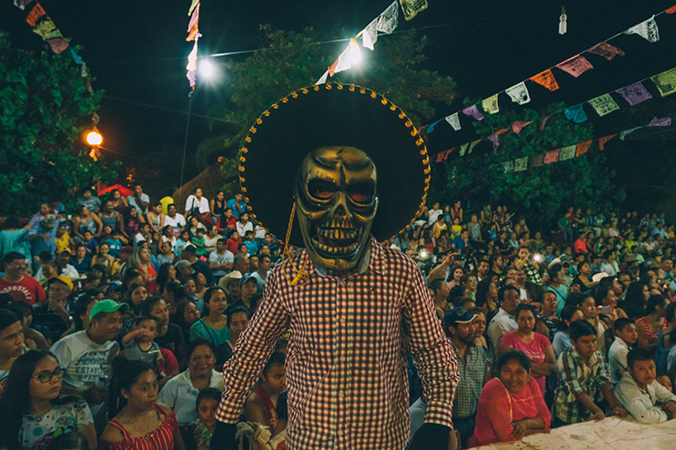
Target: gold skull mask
<point>336,199</point>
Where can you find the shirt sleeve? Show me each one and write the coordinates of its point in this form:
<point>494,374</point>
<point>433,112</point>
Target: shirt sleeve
<point>61,350</point>
<point>543,410</point>
<point>508,339</point>
<point>604,371</point>
<point>167,395</point>
<point>434,357</point>
<point>632,400</point>
<point>568,374</point>
<point>40,292</point>
<point>498,409</point>
<point>253,349</point>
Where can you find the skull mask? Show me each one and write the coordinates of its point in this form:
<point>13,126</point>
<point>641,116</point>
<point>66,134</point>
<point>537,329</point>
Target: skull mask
<point>336,199</point>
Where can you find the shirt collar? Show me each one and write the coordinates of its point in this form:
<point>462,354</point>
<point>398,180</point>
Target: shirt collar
<point>371,260</point>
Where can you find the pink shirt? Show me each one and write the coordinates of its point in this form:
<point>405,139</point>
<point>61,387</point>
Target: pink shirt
<point>498,408</point>
<point>534,350</point>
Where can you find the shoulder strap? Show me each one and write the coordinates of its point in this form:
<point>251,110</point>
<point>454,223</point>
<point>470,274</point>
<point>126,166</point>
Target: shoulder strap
<point>117,424</point>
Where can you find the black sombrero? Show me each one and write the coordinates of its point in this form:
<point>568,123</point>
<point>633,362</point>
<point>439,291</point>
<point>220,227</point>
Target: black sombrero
<point>333,114</point>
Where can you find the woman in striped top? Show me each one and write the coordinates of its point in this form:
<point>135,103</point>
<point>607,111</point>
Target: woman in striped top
<point>140,424</point>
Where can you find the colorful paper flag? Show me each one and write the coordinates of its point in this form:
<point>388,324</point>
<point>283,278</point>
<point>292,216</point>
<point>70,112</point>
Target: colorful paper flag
<point>323,78</point>
<point>663,122</point>
<point>635,93</point>
<point>21,4</point>
<point>192,65</point>
<point>567,152</point>
<point>389,19</point>
<point>473,111</point>
<point>463,149</point>
<point>543,122</point>
<point>454,121</point>
<point>575,66</point>
<point>626,133</point>
<point>490,104</point>
<point>57,44</point>
<point>553,156</point>
<point>537,160</point>
<point>604,139</point>
<point>671,10</point>
<point>576,113</point>
<point>518,126</point>
<point>193,5</point>
<point>604,104</point>
<point>494,139</point>
<point>440,156</point>
<point>411,8</point>
<point>546,79</point>
<point>193,26</point>
<point>521,164</point>
<point>430,127</point>
<point>370,34</point>
<point>75,56</point>
<point>582,148</point>
<point>518,93</point>
<point>473,144</point>
<point>35,14</point>
<point>44,28</point>
<point>647,29</point>
<point>508,166</point>
<point>606,50</point>
<point>344,61</point>
<point>665,82</point>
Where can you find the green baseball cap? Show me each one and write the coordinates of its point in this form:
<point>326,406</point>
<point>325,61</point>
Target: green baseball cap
<point>108,306</point>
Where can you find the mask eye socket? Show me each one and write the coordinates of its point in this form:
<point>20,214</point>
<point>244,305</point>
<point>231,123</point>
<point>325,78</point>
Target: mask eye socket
<point>361,193</point>
<point>321,190</point>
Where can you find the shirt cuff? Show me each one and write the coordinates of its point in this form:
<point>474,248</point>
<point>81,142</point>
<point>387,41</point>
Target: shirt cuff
<point>440,413</point>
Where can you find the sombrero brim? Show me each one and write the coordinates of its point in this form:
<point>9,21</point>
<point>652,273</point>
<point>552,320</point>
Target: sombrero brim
<point>333,115</point>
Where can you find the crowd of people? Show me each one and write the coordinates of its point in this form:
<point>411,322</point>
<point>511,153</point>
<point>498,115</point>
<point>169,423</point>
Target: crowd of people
<point>116,319</point>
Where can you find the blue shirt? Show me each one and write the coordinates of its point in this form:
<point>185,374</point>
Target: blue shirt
<point>15,241</point>
<point>231,205</point>
<point>252,246</point>
<point>39,245</point>
<point>458,242</point>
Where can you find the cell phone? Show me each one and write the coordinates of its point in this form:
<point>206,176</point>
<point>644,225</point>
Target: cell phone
<point>605,310</point>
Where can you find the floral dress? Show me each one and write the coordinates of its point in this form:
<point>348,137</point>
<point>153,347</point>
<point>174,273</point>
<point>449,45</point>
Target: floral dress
<point>38,431</point>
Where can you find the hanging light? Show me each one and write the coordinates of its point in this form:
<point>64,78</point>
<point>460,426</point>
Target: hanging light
<point>563,21</point>
<point>94,138</point>
<point>355,53</point>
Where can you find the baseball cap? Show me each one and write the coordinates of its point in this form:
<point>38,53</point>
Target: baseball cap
<point>223,282</point>
<point>50,220</point>
<point>62,280</point>
<point>127,249</point>
<point>182,264</point>
<point>457,315</point>
<point>246,278</point>
<point>108,306</point>
<point>190,248</point>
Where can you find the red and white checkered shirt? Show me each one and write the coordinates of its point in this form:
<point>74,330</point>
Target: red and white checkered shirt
<point>346,367</point>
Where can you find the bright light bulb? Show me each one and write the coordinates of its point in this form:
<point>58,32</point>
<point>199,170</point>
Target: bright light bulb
<point>94,138</point>
<point>355,53</point>
<point>207,69</point>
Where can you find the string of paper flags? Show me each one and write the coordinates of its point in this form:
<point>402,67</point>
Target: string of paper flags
<point>386,23</point>
<point>634,94</point>
<point>44,27</point>
<point>575,66</point>
<point>193,35</point>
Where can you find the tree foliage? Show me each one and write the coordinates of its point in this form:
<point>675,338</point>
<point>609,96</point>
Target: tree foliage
<point>44,108</point>
<point>291,60</point>
<point>541,193</point>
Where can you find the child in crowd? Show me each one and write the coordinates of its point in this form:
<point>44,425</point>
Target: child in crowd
<point>198,242</point>
<point>90,243</point>
<point>625,337</point>
<point>71,440</point>
<point>584,380</point>
<point>251,245</point>
<point>166,255</point>
<point>115,243</point>
<point>181,242</point>
<point>665,381</point>
<point>139,343</point>
<point>207,405</point>
<point>63,240</point>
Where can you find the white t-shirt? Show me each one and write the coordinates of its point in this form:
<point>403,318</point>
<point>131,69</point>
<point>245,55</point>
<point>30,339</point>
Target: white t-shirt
<point>139,208</point>
<point>260,232</point>
<point>192,202</point>
<point>180,395</point>
<point>221,259</point>
<point>241,229</point>
<point>68,272</point>
<point>434,214</point>
<point>177,222</point>
<point>86,363</point>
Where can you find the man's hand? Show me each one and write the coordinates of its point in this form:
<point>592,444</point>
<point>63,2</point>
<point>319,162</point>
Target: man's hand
<point>433,436</point>
<point>598,415</point>
<point>621,412</point>
<point>670,406</point>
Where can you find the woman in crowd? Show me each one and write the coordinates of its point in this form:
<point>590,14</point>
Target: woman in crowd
<point>140,423</point>
<point>85,220</point>
<point>200,285</point>
<point>470,282</point>
<point>557,284</point>
<point>213,326</point>
<point>486,298</point>
<point>218,206</point>
<point>194,224</point>
<point>652,322</point>
<point>140,260</point>
<point>169,236</point>
<point>166,274</point>
<point>261,406</point>
<point>510,406</point>
<point>180,393</point>
<point>456,274</point>
<point>480,326</point>
<point>131,222</point>
<point>561,341</point>
<point>456,211</point>
<point>636,299</point>
<point>169,335</point>
<point>198,206</point>
<point>583,277</point>
<point>547,321</point>
<point>31,409</point>
<point>103,257</point>
<point>134,297</point>
<point>536,346</point>
<point>155,218</point>
<point>605,297</point>
<point>173,294</point>
<point>187,314</point>
<point>537,244</point>
<point>119,202</point>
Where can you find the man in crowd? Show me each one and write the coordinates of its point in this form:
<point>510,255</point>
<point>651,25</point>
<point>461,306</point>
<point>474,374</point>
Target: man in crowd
<point>139,200</point>
<point>230,284</point>
<point>434,213</point>
<point>92,203</point>
<point>261,274</point>
<point>237,322</point>
<point>482,270</point>
<point>175,219</point>
<point>237,205</point>
<point>503,322</point>
<point>45,210</point>
<point>241,264</point>
<point>190,254</point>
<point>609,265</point>
<point>52,319</point>
<point>42,237</point>
<point>248,297</point>
<point>221,261</point>
<point>16,283</point>
<point>243,224</point>
<point>11,343</point>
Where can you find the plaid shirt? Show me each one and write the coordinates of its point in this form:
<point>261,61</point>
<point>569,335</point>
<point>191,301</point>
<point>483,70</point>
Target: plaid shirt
<point>473,371</point>
<point>576,377</point>
<point>346,365</point>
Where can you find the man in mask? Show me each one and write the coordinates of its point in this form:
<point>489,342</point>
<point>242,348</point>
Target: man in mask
<point>353,306</point>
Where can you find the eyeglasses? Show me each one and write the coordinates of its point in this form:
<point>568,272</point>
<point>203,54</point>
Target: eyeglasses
<point>46,376</point>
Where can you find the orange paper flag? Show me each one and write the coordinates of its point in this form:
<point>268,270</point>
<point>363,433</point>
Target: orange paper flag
<point>332,68</point>
<point>604,139</point>
<point>582,148</point>
<point>35,14</point>
<point>671,10</point>
<point>546,79</point>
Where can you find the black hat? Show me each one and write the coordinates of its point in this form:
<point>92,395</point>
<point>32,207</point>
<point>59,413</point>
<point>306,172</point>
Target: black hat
<point>332,115</point>
<point>457,315</point>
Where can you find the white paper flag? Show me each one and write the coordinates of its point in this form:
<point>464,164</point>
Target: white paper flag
<point>454,120</point>
<point>370,34</point>
<point>647,29</point>
<point>323,79</point>
<point>519,93</point>
<point>344,61</point>
<point>388,19</point>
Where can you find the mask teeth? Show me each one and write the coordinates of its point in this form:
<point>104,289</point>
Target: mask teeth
<point>335,250</point>
<point>333,233</point>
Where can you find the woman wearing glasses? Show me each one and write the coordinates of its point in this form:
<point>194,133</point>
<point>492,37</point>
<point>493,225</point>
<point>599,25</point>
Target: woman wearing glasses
<point>31,409</point>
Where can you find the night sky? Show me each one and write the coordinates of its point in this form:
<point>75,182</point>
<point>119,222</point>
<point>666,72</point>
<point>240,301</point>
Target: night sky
<point>137,52</point>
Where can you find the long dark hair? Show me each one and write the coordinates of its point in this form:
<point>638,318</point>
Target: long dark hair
<point>125,375</point>
<point>16,398</point>
<point>162,277</point>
